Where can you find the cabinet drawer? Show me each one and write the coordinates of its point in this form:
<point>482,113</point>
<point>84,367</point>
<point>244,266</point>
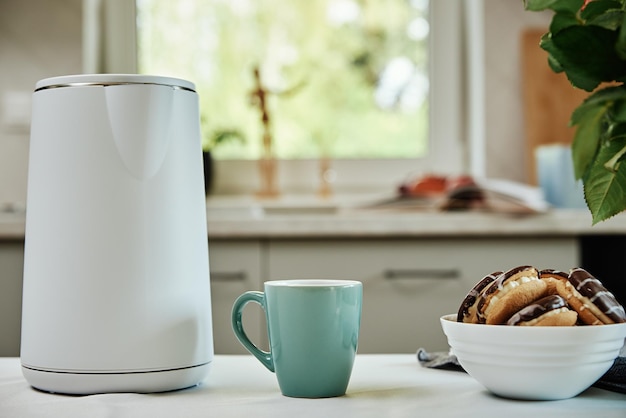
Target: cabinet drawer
<point>235,268</point>
<point>408,284</point>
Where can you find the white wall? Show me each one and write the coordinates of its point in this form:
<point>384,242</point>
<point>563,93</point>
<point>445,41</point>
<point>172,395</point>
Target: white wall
<point>38,39</point>
<point>42,38</point>
<point>504,130</point>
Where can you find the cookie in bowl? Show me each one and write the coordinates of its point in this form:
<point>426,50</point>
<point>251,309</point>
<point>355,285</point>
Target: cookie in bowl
<point>497,297</point>
<point>467,310</point>
<point>509,293</point>
<point>593,302</point>
<point>550,310</point>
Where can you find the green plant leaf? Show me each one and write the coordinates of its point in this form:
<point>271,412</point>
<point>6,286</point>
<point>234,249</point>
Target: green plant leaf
<point>563,20</point>
<point>587,137</point>
<point>613,163</point>
<point>554,64</point>
<point>598,8</point>
<point>557,5</point>
<point>611,19</point>
<point>587,54</point>
<point>546,44</point>
<point>620,44</point>
<point>618,131</point>
<point>617,112</point>
<point>604,97</point>
<point>604,189</point>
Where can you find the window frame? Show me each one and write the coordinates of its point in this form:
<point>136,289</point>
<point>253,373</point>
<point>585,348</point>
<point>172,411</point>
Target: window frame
<point>447,142</point>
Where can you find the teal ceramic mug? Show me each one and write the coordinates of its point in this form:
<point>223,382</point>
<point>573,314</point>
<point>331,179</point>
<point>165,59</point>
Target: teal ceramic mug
<point>313,328</point>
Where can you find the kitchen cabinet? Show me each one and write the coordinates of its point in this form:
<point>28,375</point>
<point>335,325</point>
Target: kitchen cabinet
<point>409,283</point>
<point>11,268</point>
<point>236,267</point>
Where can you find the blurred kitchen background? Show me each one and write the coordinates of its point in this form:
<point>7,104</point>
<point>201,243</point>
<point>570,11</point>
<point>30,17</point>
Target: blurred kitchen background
<point>43,38</point>
<point>496,103</point>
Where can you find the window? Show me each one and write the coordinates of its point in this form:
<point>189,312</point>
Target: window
<point>374,85</point>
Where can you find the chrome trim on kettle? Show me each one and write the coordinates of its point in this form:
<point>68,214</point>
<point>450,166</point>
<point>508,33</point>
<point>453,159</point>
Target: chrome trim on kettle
<point>113,83</point>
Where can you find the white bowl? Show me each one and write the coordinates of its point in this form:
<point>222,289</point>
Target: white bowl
<point>538,363</point>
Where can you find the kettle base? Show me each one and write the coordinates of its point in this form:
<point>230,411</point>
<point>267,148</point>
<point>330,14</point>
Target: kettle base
<point>86,383</point>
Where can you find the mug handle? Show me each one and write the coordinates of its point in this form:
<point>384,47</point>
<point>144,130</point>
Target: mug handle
<point>237,322</point>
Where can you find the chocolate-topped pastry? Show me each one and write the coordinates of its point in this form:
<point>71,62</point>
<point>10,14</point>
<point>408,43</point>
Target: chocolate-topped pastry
<point>509,293</point>
<point>467,310</point>
<point>526,296</point>
<point>593,302</point>
<point>550,310</point>
<point>552,277</point>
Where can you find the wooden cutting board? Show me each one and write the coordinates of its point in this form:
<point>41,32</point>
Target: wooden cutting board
<point>549,100</point>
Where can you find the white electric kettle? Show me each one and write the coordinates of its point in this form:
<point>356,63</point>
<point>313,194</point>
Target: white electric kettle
<point>116,293</point>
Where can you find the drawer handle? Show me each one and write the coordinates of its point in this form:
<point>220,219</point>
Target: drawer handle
<point>228,276</point>
<point>391,274</point>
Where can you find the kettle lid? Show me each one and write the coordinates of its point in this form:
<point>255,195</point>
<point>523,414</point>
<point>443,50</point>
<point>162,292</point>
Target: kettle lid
<point>80,80</point>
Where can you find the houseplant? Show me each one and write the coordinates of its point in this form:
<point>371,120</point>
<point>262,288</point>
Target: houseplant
<point>587,41</point>
<point>210,141</point>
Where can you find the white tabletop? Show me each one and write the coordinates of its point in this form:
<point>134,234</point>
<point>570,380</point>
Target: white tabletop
<point>239,386</point>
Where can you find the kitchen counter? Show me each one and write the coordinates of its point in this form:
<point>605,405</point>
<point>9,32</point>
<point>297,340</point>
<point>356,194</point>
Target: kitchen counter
<point>237,386</point>
<point>302,218</point>
<point>375,223</point>
<point>12,225</point>
<point>372,215</point>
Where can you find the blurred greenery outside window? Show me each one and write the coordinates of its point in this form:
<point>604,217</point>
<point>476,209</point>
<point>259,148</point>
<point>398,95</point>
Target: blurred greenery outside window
<point>345,79</point>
